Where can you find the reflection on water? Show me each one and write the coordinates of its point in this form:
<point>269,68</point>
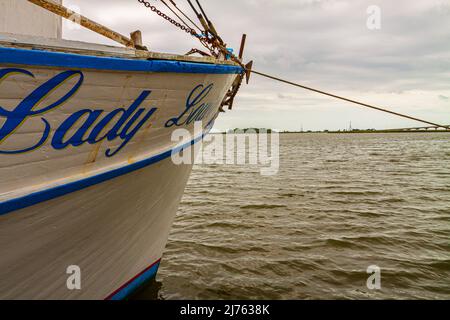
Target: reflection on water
<point>340,203</point>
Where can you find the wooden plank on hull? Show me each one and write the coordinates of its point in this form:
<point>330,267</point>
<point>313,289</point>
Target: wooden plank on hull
<point>78,47</point>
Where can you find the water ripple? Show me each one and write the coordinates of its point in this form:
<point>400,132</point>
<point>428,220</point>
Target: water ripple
<point>339,204</point>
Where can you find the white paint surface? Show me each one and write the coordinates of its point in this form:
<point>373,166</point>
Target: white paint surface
<point>112,230</point>
<point>23,17</point>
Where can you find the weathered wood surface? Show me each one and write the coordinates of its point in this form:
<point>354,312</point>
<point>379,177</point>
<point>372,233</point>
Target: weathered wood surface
<point>59,45</point>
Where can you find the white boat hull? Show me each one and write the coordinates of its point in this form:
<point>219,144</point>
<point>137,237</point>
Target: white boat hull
<point>86,174</point>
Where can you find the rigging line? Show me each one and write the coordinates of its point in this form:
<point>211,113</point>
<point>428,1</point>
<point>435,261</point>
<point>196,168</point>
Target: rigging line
<point>185,15</point>
<point>203,19</point>
<point>212,29</point>
<point>203,11</point>
<point>193,8</point>
<point>200,18</point>
<point>186,25</point>
<point>191,31</point>
<point>348,100</point>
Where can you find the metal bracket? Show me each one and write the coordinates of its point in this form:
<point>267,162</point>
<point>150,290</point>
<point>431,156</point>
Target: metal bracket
<point>248,71</point>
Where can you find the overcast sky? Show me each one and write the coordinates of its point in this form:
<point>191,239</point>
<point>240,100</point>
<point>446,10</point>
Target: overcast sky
<point>404,66</point>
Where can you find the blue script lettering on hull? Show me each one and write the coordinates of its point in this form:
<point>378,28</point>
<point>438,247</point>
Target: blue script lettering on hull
<point>127,121</point>
<point>195,109</point>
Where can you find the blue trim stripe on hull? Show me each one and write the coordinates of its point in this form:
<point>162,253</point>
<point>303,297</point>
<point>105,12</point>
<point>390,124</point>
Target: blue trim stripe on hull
<point>131,286</point>
<point>69,60</point>
<point>9,206</point>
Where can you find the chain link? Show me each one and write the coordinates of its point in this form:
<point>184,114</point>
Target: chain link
<point>204,40</point>
<point>211,44</point>
<point>166,17</point>
<point>216,48</point>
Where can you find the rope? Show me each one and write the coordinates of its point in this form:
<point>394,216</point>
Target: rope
<point>217,43</point>
<point>193,8</point>
<point>203,39</point>
<point>203,11</point>
<point>181,19</point>
<point>349,100</point>
<point>185,15</point>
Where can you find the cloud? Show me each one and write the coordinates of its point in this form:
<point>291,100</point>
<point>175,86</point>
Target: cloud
<point>321,43</point>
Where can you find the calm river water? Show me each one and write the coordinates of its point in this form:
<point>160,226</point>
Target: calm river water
<point>340,203</point>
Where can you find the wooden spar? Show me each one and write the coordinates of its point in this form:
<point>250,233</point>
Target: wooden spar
<point>136,37</point>
<point>85,22</point>
<point>241,50</point>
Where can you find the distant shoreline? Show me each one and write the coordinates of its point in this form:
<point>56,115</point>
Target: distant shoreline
<point>373,131</point>
<point>345,132</point>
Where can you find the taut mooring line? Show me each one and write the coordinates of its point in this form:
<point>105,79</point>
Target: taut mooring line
<point>349,100</point>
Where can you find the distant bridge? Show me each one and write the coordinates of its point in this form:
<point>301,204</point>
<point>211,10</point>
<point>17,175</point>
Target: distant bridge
<point>436,128</point>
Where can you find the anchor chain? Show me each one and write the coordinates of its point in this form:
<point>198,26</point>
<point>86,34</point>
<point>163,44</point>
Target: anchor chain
<point>209,40</point>
<point>169,19</point>
<point>205,41</point>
